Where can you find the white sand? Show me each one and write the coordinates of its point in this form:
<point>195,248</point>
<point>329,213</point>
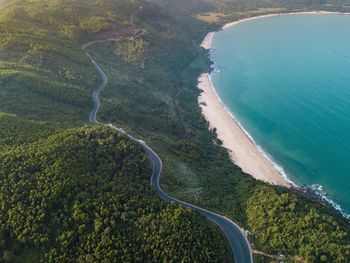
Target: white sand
<point>242,149</point>
<point>281,14</point>
<point>206,43</point>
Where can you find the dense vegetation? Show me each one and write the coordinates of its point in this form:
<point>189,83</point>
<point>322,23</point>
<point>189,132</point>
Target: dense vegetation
<point>310,234</point>
<point>83,195</point>
<point>18,131</point>
<point>42,67</point>
<point>132,51</point>
<point>44,75</point>
<point>194,168</point>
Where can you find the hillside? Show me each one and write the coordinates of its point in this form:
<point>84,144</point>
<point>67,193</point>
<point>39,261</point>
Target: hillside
<point>78,194</point>
<point>195,169</point>
<point>42,65</point>
<point>83,195</point>
<point>102,206</point>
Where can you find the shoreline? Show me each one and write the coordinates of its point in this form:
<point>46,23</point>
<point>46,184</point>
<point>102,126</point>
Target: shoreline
<point>207,41</point>
<point>231,24</point>
<point>243,150</point>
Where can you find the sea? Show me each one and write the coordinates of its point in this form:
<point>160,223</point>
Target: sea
<point>286,79</point>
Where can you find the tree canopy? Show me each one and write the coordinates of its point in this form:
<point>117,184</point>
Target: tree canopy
<point>83,195</point>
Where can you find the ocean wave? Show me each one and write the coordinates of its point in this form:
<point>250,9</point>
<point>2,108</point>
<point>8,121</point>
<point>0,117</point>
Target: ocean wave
<point>268,157</point>
<point>315,188</point>
<point>322,194</point>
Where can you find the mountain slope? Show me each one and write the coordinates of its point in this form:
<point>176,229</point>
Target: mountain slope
<point>79,194</point>
<point>83,195</point>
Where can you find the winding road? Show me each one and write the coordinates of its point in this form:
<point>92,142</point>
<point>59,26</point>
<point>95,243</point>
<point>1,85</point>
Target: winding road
<point>238,242</point>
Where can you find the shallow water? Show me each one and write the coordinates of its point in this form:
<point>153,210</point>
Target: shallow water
<point>287,80</point>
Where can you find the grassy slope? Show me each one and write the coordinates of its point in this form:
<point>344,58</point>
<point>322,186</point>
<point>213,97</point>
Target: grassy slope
<point>42,67</point>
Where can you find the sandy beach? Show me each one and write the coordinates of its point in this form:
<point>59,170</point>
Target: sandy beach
<point>228,25</point>
<point>242,148</point>
<point>206,43</point>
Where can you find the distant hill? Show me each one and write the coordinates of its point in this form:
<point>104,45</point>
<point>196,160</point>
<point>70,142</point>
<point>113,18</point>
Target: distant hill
<point>44,74</point>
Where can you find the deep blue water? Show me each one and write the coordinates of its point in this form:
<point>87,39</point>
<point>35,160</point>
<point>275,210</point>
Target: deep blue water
<point>287,80</point>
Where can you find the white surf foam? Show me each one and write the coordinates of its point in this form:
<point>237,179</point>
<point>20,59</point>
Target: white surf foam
<point>276,166</point>
<point>315,188</point>
<point>322,194</point>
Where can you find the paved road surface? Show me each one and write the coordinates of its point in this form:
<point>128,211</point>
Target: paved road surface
<point>238,242</point>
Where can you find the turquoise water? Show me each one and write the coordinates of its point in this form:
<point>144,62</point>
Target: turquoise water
<point>287,80</point>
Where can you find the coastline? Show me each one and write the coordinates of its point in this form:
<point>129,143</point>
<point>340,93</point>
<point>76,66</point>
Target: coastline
<point>231,24</point>
<point>207,41</point>
<point>243,150</point>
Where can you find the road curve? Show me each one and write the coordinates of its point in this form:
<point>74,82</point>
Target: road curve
<point>238,242</point>
<point>96,93</point>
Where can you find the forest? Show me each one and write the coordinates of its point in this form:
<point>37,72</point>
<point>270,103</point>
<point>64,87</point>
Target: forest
<point>83,191</point>
<point>311,234</point>
<point>83,195</point>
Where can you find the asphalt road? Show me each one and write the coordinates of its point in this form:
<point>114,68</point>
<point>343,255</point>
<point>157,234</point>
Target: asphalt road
<point>238,242</point>
<point>96,93</point>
